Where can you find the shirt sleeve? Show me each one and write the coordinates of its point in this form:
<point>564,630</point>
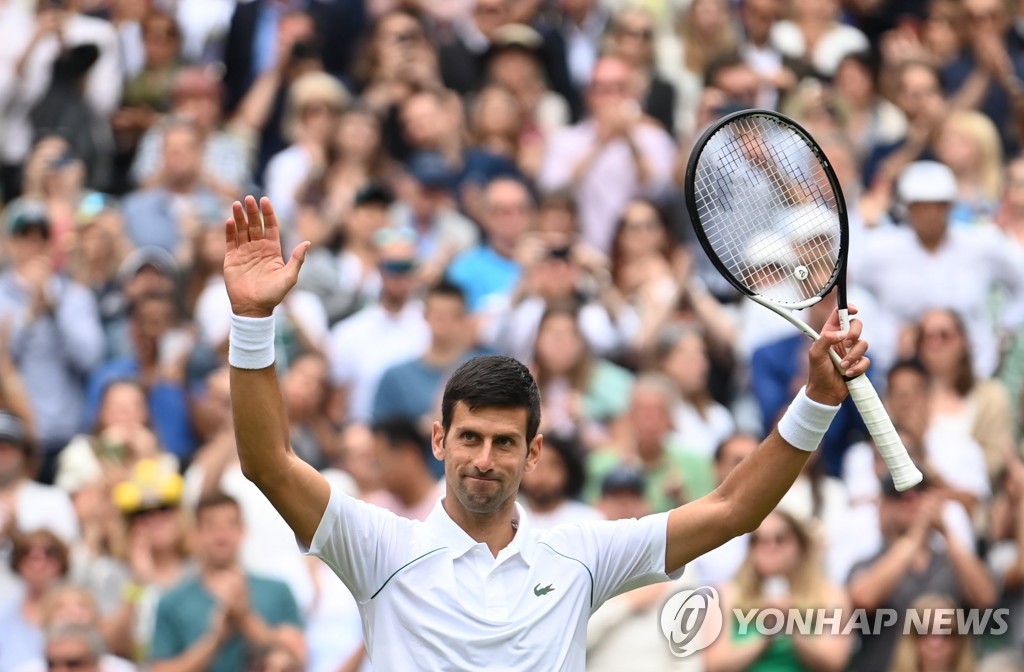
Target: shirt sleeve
<point>623,554</point>
<point>362,543</point>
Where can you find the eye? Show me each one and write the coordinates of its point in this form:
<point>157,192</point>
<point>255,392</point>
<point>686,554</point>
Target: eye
<point>505,441</point>
<point>468,436</point>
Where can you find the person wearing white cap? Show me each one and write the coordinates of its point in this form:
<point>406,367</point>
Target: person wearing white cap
<point>929,264</point>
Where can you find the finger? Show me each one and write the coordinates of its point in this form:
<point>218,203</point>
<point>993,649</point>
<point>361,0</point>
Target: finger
<point>295,263</point>
<point>230,233</point>
<point>252,209</point>
<point>854,354</point>
<point>271,230</point>
<point>241,225</point>
<point>860,367</point>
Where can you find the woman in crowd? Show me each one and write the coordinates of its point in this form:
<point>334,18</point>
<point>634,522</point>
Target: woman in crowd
<point>314,104</point>
<point>871,120</point>
<point>41,561</point>
<point>581,393</point>
<point>968,142</point>
<point>960,403</point>
<point>933,651</point>
<point>496,125</point>
<point>783,570</point>
<point>397,60</point>
<point>306,392</point>
<point>814,34</point>
<point>702,423</point>
<point>631,38</point>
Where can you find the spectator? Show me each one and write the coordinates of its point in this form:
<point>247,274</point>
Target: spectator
<point>872,121</point>
<point>614,155</point>
<point>641,259</point>
<point>1005,558</point>
<point>403,453</point>
<point>56,337</point>
<point>26,505</point>
<point>463,59</point>
<point>40,559</point>
<point>582,393</point>
<point>412,389</point>
<point>344,273</point>
<point>550,493</point>
<point>162,347</point>
<point>968,142</point>
<point>362,347</point>
<point>155,554</point>
<point>146,271</point>
<point>489,273</point>
<point>582,25</point>
<point>155,215</point>
<point>315,102</point>
<point>208,620</point>
<point>35,43</point>
<point>306,393</point>
<point>196,95</point>
<point>71,621</point>
<point>933,649</point>
<point>631,38</point>
<point>675,474</point>
<point>783,570</point>
<point>149,84</point>
<point>701,422</point>
<point>909,565</point>
<point>962,405</point>
<point>397,60</point>
<point>815,35</point>
<point>358,458</point>
<point>911,269</point>
<point>779,73</point>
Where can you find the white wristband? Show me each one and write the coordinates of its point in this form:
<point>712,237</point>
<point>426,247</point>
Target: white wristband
<point>805,422</point>
<point>251,343</point>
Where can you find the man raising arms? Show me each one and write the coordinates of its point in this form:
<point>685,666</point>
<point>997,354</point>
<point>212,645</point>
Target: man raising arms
<point>474,584</point>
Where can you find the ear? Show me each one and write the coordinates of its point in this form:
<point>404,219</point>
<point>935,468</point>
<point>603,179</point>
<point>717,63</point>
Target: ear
<point>533,452</point>
<point>437,441</point>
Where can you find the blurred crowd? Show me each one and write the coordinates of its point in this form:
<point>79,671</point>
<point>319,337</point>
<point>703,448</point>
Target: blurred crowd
<point>494,176</point>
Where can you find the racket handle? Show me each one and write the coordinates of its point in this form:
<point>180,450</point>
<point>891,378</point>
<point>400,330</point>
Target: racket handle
<point>904,473</point>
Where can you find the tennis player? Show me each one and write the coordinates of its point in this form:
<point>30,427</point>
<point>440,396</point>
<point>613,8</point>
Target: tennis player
<point>474,586</point>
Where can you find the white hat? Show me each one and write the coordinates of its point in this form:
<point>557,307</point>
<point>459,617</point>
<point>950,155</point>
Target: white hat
<point>766,249</point>
<point>927,182</point>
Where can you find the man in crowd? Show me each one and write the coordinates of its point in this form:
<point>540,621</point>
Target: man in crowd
<point>551,491</point>
<point>403,453</point>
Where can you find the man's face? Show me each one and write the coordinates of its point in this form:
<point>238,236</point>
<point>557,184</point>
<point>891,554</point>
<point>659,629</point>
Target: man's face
<point>509,212</point>
<point>425,121</point>
<point>395,467</point>
<point>485,455</point>
<point>153,318</point>
<point>740,84</point>
<point>182,156</point>
<point>733,452</point>
<point>219,534</point>
<point>29,243</point>
<point>398,267</point>
<point>929,220</point>
<point>919,91</point>
<point>611,86</point>
<point>446,317</point>
<point>649,415</point>
<point>623,505</point>
<point>758,17</point>
<point>906,399</point>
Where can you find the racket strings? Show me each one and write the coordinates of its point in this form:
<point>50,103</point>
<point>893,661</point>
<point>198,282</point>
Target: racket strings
<point>768,210</point>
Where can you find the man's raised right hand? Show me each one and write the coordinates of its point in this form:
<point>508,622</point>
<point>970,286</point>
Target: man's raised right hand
<point>255,274</point>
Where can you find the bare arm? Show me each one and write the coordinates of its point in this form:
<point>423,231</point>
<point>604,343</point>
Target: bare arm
<point>257,280</point>
<point>827,652</point>
<point>973,578</point>
<point>755,487</point>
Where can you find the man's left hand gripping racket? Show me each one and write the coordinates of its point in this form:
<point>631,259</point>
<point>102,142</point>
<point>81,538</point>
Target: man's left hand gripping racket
<point>768,209</point>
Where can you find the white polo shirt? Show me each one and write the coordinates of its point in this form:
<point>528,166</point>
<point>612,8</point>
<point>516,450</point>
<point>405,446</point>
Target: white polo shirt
<point>432,598</point>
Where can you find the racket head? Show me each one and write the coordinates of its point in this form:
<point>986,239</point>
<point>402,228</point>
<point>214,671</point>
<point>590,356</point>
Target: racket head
<point>768,209</point>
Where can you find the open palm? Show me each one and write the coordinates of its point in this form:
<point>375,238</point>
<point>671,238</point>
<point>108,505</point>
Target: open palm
<point>255,274</point>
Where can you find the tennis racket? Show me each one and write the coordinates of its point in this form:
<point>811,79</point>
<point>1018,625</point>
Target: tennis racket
<point>768,209</point>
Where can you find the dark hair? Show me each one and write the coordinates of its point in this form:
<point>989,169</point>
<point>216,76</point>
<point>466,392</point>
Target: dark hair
<point>617,262</point>
<point>727,441</point>
<point>448,289</point>
<point>581,371</point>
<point>571,453</point>
<point>494,381</point>
<point>401,432</point>
<point>722,62</point>
<point>964,379</point>
<point>213,500</point>
<point>910,364</point>
<point>868,60</point>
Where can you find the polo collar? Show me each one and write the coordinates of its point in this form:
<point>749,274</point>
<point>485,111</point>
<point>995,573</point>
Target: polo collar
<point>459,542</point>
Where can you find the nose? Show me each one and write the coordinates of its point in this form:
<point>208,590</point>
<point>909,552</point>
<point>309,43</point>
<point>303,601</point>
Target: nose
<point>484,460</point>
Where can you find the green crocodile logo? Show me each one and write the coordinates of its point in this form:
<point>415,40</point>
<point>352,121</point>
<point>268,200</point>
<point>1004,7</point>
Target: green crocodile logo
<point>538,591</point>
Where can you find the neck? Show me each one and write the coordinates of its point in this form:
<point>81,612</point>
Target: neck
<point>165,558</point>
<point>391,304</point>
<point>209,568</point>
<point>494,529</point>
<point>649,451</point>
<point>546,505</point>
<point>931,243</point>
<point>181,186</point>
